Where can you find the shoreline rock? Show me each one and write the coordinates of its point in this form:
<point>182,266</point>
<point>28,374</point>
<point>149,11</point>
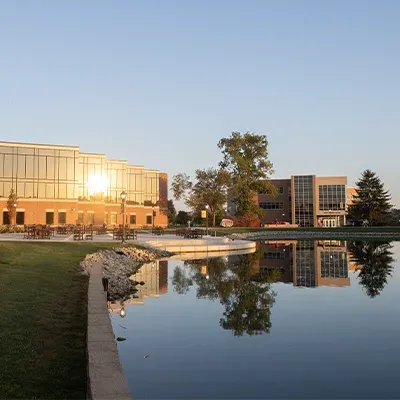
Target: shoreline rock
<point>118,265</point>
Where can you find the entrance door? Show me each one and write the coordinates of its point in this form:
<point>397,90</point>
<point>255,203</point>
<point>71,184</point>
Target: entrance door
<point>329,222</point>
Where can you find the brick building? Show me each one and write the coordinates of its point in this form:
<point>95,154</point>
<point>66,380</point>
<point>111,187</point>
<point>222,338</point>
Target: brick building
<point>60,185</point>
<point>305,200</point>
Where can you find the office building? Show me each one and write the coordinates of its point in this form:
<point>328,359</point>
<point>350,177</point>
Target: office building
<point>58,185</point>
<point>306,200</point>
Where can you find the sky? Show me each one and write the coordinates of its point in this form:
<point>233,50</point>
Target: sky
<point>159,83</point>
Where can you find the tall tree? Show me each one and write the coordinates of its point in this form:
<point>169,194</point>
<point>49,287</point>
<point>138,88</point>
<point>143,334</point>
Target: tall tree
<point>374,261</point>
<point>11,201</point>
<point>209,189</point>
<point>245,157</point>
<point>372,201</point>
<point>171,212</point>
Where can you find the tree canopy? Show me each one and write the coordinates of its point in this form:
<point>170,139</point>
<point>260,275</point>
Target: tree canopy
<point>245,157</point>
<point>372,201</point>
<point>171,211</point>
<point>209,189</point>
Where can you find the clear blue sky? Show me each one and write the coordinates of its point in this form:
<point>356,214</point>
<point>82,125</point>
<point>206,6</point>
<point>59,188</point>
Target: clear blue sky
<point>160,82</point>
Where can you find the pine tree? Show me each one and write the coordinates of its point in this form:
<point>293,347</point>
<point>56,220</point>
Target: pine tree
<point>372,201</point>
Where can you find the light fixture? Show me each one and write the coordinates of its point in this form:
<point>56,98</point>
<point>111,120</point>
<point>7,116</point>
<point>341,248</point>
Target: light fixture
<point>207,276</point>
<point>122,313</point>
<point>123,195</point>
<point>15,205</point>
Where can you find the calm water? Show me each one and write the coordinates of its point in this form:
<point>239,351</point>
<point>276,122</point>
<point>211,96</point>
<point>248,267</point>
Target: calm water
<point>294,320</point>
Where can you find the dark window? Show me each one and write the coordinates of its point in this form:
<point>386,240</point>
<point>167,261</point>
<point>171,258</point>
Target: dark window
<point>80,218</point>
<point>149,219</point>
<point>271,206</point>
<point>62,217</point>
<point>132,220</point>
<point>6,218</point>
<point>274,255</point>
<point>281,190</point>
<point>49,218</point>
<point>20,218</point>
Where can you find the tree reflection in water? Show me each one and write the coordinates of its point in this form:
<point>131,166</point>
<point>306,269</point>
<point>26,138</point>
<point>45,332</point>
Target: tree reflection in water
<point>374,261</point>
<point>246,295</point>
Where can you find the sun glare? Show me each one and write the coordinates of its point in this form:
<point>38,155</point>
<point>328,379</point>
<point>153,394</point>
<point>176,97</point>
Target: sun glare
<point>96,184</point>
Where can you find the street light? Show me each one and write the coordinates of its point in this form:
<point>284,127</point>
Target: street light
<point>15,214</point>
<point>154,214</point>
<point>123,199</point>
<point>207,207</point>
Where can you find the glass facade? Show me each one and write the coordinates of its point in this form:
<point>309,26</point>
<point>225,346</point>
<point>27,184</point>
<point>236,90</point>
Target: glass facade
<point>305,263</point>
<point>304,200</point>
<point>60,172</point>
<point>334,264</point>
<point>332,197</point>
<point>37,172</point>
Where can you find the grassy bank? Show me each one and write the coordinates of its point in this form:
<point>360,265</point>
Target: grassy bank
<point>43,320</point>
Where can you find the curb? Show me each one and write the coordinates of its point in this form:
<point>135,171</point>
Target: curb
<point>106,379</point>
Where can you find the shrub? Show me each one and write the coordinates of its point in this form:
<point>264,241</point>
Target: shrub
<point>248,220</point>
<point>3,228</point>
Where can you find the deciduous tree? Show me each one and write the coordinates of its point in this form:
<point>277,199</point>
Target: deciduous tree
<point>245,157</point>
<point>209,189</point>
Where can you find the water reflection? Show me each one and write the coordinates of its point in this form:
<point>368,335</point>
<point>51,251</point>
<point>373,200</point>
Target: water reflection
<point>374,261</point>
<point>242,283</point>
<point>246,296</point>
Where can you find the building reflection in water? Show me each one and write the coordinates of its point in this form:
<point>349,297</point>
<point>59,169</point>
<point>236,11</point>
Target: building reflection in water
<point>152,281</point>
<point>307,263</point>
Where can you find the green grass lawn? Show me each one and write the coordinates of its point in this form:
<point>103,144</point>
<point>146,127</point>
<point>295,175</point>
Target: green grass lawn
<point>43,320</point>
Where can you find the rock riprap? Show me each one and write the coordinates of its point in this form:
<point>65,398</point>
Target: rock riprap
<point>118,265</point>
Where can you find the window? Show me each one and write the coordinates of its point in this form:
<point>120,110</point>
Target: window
<point>20,217</point>
<point>149,220</point>
<point>62,217</point>
<point>132,219</point>
<point>332,197</point>
<point>281,190</point>
<point>49,218</point>
<point>80,217</point>
<point>90,218</point>
<point>113,219</point>
<point>271,206</point>
<point>6,218</point>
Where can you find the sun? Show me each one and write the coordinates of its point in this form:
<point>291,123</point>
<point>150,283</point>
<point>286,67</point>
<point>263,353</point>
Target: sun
<point>96,184</point>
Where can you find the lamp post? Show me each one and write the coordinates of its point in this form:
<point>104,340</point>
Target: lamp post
<point>15,214</point>
<point>207,207</point>
<point>123,199</point>
<point>154,214</point>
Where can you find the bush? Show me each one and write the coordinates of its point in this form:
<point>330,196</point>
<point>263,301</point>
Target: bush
<point>248,220</point>
<point>7,228</point>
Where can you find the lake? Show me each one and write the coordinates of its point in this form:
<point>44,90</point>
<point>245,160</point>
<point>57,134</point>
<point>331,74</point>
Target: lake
<point>296,319</point>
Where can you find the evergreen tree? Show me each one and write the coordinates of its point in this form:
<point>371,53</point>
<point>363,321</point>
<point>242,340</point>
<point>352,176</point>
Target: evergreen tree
<point>374,260</point>
<point>372,201</point>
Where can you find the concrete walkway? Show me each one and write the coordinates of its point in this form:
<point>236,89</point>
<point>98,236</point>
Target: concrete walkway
<point>207,244</point>
<point>168,242</point>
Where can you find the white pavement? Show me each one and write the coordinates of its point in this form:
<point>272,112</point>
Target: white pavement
<point>168,242</point>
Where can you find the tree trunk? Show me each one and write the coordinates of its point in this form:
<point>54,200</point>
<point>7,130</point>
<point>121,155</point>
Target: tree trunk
<point>214,220</point>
